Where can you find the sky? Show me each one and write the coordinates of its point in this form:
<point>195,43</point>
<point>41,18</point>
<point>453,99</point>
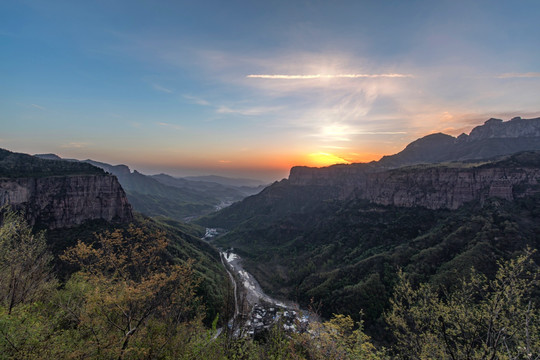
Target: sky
<point>251,88</point>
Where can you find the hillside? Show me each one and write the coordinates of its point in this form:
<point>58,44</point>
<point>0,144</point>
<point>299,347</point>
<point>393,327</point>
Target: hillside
<point>184,243</point>
<point>177,198</point>
<point>346,253</point>
<point>338,235</point>
<point>74,201</point>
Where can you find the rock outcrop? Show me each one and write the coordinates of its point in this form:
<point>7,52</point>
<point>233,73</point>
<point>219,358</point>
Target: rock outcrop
<point>66,201</point>
<point>496,128</point>
<point>446,187</point>
<point>53,193</point>
<point>430,186</point>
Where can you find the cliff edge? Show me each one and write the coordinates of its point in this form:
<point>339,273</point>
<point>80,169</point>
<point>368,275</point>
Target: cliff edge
<point>58,194</point>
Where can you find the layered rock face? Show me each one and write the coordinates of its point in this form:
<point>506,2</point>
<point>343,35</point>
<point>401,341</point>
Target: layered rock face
<point>443,187</point>
<point>66,201</point>
<point>390,182</point>
<point>433,187</point>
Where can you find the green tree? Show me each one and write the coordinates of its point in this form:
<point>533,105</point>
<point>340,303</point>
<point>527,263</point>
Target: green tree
<point>25,272</point>
<point>482,319</point>
<point>339,338</point>
<point>134,292</point>
<point>26,282</point>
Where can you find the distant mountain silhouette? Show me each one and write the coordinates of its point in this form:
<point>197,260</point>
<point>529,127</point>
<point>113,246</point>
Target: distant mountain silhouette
<point>226,181</point>
<point>177,198</point>
<point>494,138</point>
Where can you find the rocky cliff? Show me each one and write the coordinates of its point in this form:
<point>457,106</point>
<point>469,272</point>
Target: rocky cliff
<point>446,187</point>
<point>66,201</point>
<point>430,186</point>
<point>58,194</point>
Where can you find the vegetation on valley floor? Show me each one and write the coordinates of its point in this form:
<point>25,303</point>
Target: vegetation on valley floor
<point>346,254</point>
<point>128,300</point>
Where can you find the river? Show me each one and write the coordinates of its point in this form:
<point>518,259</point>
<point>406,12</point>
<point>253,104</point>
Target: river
<point>254,309</point>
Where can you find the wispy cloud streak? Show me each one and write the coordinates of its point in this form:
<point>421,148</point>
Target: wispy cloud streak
<point>196,100</point>
<point>246,111</point>
<point>519,75</point>
<point>168,125</point>
<point>75,145</point>
<point>161,88</point>
<point>326,76</point>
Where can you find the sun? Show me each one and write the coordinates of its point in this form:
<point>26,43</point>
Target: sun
<point>326,159</point>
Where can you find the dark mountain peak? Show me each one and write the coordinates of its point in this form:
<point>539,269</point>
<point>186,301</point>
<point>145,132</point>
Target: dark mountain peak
<point>48,156</point>
<point>494,138</point>
<point>493,121</point>
<point>430,148</point>
<point>514,128</point>
<point>432,140</point>
<point>118,170</point>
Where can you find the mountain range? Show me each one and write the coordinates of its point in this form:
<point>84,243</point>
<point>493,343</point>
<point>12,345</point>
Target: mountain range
<point>331,237</point>
<point>176,198</point>
<point>73,201</point>
<point>336,236</point>
<point>494,138</point>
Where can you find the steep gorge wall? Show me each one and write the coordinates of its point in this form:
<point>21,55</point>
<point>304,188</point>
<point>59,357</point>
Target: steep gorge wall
<point>66,201</point>
<point>440,187</point>
<point>432,187</point>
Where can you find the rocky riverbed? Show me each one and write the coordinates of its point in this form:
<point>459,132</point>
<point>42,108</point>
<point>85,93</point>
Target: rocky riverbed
<point>259,311</point>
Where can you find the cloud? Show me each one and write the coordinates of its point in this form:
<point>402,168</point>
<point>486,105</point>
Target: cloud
<point>225,161</point>
<point>161,88</point>
<point>327,76</point>
<point>38,107</point>
<point>381,133</point>
<point>519,75</point>
<point>250,111</point>
<point>348,131</point>
<point>196,100</point>
<point>335,147</point>
<point>75,145</point>
<point>168,125</point>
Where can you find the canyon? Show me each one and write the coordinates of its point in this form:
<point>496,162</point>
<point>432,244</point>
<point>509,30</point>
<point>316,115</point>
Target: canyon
<point>430,186</point>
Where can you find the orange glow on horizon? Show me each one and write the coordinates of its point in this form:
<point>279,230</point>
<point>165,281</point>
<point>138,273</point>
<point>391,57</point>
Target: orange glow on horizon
<point>265,161</point>
<point>252,164</point>
<point>322,159</point>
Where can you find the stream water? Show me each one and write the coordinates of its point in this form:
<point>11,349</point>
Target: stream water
<point>254,294</point>
<point>258,309</point>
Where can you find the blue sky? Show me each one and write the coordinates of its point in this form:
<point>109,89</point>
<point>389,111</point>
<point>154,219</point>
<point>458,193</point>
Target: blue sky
<point>246,88</point>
